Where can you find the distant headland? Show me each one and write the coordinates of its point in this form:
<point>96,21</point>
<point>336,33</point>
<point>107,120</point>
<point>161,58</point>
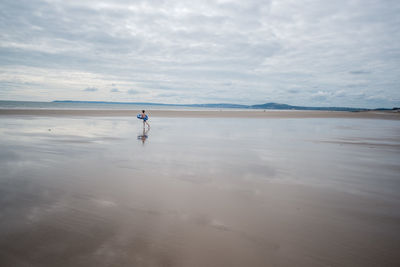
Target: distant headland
<point>271,106</point>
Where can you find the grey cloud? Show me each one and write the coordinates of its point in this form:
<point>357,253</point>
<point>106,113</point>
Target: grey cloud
<point>188,47</point>
<point>132,92</point>
<point>321,96</point>
<point>167,95</point>
<point>358,72</point>
<point>91,89</point>
<point>294,91</point>
<point>341,93</point>
<point>115,90</point>
<point>356,85</point>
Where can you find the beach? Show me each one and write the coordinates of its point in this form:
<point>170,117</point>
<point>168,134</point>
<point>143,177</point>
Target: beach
<point>207,113</point>
<point>199,188</point>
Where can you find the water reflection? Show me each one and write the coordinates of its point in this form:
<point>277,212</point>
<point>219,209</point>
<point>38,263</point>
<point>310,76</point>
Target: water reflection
<point>201,181</point>
<point>144,135</point>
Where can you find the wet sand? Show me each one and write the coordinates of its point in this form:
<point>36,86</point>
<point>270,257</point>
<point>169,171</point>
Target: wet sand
<point>391,115</point>
<point>198,191</point>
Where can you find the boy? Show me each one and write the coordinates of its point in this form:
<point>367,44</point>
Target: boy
<point>145,118</point>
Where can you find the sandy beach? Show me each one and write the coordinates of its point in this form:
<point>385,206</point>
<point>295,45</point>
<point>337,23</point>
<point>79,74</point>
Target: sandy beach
<point>200,188</point>
<point>391,115</point>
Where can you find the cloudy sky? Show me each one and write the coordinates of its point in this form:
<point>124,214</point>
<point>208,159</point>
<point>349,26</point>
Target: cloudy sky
<point>309,52</point>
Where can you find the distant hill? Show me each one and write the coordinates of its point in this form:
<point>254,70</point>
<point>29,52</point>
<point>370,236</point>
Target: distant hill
<point>289,107</point>
<point>221,105</point>
<point>271,105</point>
<point>277,106</point>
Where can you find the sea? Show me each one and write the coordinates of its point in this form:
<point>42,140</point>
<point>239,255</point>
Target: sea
<point>5,104</point>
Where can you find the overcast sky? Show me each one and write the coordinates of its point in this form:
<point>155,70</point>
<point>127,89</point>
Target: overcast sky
<point>314,53</point>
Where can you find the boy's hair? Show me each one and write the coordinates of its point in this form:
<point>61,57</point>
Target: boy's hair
<point>142,111</point>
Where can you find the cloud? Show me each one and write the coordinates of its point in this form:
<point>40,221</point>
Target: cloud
<point>91,89</point>
<point>115,90</point>
<point>321,95</point>
<point>132,92</point>
<point>328,96</point>
<point>241,51</point>
<point>376,97</point>
<point>341,93</point>
<point>293,91</point>
<point>167,95</point>
<point>358,72</point>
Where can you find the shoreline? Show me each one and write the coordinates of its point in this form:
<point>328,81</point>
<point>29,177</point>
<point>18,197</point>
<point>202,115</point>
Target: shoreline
<point>390,115</point>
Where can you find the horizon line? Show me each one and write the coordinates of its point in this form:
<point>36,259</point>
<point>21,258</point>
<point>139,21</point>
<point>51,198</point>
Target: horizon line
<point>197,104</point>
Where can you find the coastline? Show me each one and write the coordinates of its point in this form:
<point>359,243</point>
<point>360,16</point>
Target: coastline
<point>207,113</point>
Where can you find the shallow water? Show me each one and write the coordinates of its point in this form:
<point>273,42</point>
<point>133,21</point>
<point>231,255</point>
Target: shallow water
<point>199,192</point>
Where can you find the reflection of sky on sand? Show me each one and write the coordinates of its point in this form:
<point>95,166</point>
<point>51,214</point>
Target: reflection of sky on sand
<point>92,184</point>
<point>347,154</point>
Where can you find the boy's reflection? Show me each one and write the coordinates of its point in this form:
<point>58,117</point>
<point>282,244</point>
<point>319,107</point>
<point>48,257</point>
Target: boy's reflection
<point>144,135</point>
